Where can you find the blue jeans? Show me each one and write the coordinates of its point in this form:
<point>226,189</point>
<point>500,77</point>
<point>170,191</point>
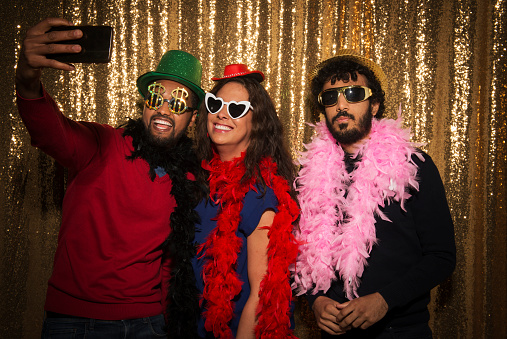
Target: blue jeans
<point>80,328</point>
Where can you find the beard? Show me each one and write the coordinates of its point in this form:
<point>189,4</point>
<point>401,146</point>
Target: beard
<point>156,151</point>
<point>162,142</point>
<point>350,136</point>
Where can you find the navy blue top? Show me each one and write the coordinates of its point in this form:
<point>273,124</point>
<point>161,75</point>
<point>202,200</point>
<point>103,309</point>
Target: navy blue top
<point>254,206</point>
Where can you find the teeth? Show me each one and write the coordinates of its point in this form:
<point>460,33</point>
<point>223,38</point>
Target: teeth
<point>223,128</point>
<point>163,122</point>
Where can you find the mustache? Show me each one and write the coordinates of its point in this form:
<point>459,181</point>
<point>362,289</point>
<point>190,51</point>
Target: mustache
<point>342,114</point>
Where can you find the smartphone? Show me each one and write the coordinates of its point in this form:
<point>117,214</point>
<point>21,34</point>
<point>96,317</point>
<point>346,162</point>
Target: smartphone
<point>96,44</point>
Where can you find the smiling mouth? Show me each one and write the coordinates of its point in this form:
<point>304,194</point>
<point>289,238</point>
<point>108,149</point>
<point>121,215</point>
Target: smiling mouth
<point>222,127</point>
<point>162,124</point>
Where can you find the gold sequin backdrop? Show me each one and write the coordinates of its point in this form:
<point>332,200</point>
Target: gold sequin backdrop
<point>447,65</point>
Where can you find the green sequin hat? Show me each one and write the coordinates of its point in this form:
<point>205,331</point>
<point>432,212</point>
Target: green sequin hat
<point>178,66</point>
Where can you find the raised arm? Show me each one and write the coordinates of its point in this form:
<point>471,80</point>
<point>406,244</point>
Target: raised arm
<point>37,44</point>
<point>71,143</point>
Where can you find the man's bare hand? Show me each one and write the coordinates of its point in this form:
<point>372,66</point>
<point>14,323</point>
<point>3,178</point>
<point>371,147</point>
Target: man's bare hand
<point>326,312</point>
<point>36,46</point>
<point>362,312</point>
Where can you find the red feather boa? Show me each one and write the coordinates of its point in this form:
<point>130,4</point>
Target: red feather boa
<point>222,246</point>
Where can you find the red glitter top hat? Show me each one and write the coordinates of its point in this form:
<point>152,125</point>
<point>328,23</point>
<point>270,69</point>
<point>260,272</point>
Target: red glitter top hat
<point>240,70</point>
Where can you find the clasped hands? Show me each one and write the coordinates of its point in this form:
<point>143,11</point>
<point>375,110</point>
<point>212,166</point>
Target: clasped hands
<point>336,318</point>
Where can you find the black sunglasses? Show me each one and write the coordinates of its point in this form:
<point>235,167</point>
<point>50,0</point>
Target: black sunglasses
<point>352,94</point>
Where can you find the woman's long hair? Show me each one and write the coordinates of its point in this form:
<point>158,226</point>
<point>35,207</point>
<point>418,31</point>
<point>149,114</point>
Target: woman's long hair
<point>266,137</point>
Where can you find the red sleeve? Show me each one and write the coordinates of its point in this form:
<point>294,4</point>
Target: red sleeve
<point>70,143</point>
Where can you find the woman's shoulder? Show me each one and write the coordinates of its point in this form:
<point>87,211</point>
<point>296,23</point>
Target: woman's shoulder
<point>256,202</point>
<point>259,197</point>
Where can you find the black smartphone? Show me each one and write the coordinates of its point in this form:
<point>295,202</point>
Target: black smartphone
<point>96,44</point>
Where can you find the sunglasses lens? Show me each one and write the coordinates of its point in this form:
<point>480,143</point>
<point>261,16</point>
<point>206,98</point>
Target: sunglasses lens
<point>177,106</point>
<point>213,105</point>
<point>329,98</point>
<point>154,101</point>
<point>237,110</point>
<point>354,94</point>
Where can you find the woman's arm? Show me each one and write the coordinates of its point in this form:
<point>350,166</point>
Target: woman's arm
<point>257,248</point>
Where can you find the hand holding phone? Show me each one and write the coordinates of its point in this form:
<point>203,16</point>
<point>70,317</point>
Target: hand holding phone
<point>96,45</point>
<point>38,48</point>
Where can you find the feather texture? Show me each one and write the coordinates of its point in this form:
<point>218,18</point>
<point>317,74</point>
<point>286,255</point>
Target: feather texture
<point>180,163</point>
<point>338,209</point>
<point>222,246</point>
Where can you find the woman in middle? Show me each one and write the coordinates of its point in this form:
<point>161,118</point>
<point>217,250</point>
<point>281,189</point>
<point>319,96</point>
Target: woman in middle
<point>245,235</point>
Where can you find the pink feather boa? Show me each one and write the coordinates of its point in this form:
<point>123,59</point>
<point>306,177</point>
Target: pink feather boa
<point>331,243</point>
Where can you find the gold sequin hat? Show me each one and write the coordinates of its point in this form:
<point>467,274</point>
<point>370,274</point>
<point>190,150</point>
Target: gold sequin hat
<point>350,54</point>
<point>178,66</point>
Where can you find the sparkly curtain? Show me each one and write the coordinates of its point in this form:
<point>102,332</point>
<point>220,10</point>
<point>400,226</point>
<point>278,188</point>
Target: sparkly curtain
<point>447,67</point>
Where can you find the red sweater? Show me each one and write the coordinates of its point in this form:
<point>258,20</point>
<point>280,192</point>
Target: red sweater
<point>108,261</point>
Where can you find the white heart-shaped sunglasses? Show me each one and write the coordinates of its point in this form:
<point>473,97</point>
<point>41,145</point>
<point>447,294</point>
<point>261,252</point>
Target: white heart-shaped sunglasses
<point>235,109</point>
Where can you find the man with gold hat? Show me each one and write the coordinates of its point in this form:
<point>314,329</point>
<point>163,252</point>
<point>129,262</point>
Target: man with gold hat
<point>129,199</point>
<point>375,230</point>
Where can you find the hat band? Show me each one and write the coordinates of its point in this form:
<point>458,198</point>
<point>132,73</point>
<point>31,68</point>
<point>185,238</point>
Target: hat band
<point>235,74</point>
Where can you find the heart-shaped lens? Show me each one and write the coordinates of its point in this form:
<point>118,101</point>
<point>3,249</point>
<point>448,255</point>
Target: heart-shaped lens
<point>213,105</point>
<point>237,110</point>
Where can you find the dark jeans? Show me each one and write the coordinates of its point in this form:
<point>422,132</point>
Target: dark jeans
<point>80,328</point>
<point>418,331</point>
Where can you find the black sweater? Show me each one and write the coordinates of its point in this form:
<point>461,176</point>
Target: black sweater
<point>414,252</point>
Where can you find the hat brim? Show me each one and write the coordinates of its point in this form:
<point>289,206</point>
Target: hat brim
<point>354,56</point>
<point>257,75</point>
<point>144,80</point>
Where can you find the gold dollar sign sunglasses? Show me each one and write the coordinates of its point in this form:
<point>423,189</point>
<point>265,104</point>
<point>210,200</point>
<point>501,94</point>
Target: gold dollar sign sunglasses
<point>177,103</point>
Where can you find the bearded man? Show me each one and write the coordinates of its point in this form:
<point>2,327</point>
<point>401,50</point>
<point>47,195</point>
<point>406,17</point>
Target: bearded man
<point>375,227</point>
<point>126,188</point>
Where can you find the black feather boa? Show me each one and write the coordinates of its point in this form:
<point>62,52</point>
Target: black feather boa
<point>183,298</point>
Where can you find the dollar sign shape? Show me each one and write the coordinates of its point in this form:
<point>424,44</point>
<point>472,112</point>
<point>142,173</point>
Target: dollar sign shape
<point>179,95</point>
<point>155,100</point>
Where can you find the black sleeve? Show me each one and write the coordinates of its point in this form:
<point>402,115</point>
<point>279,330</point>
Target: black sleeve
<point>435,231</point>
<point>312,297</point>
